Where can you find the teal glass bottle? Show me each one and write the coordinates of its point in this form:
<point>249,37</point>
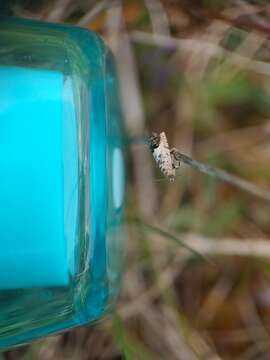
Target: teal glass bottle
<point>62,180</point>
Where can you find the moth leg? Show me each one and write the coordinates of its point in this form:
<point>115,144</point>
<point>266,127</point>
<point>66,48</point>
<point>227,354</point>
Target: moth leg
<point>175,162</point>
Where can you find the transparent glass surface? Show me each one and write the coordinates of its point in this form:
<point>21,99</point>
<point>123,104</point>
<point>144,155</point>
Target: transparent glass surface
<point>62,180</point>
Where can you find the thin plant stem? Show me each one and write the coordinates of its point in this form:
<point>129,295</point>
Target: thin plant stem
<point>224,176</point>
<point>217,173</point>
<point>157,230</point>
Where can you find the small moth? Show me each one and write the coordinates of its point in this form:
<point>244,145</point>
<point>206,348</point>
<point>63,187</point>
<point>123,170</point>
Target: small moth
<point>163,156</point>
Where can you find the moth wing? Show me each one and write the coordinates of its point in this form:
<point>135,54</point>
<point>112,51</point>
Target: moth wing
<point>163,158</point>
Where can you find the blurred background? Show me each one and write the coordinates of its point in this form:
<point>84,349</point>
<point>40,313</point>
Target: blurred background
<point>198,70</point>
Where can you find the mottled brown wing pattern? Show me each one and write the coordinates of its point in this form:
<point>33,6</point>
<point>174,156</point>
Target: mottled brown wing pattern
<point>162,154</point>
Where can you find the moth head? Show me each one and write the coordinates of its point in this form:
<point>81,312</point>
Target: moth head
<point>154,141</point>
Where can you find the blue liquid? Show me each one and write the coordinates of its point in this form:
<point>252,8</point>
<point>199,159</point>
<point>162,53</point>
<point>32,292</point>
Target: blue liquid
<point>38,197</point>
<point>61,199</point>
<point>32,180</point>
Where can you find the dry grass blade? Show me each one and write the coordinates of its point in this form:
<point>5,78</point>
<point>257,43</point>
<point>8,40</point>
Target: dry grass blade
<point>222,175</point>
<point>193,44</point>
<point>228,246</point>
<point>251,318</point>
<point>93,12</point>
<point>60,11</point>
<point>160,23</point>
<point>132,105</point>
<point>168,235</point>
